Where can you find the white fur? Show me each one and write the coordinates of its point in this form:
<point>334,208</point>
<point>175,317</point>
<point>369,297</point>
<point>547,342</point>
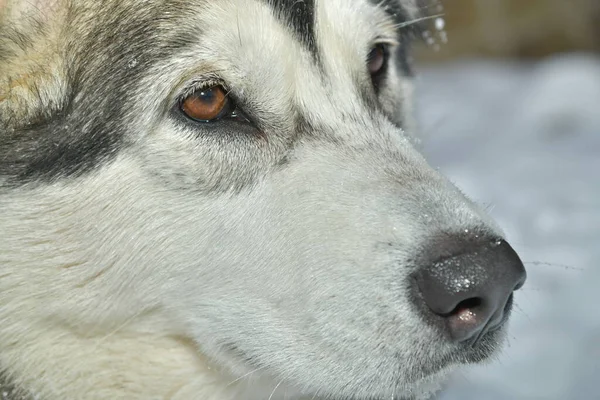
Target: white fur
<point>147,279</point>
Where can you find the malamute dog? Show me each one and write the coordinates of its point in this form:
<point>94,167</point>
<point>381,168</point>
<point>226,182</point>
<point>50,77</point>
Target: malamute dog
<point>221,199</point>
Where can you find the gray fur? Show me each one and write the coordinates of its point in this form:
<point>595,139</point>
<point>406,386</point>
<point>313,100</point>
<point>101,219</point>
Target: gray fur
<point>266,259</point>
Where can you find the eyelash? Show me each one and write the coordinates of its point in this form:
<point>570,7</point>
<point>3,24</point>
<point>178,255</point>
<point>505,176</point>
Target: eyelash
<point>199,85</point>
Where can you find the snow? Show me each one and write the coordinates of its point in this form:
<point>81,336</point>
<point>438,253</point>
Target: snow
<point>524,139</point>
<point>440,23</point>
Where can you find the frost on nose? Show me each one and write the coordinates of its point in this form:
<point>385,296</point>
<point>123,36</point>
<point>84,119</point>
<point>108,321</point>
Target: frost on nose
<point>469,284</point>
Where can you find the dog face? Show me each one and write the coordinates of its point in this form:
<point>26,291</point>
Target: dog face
<point>238,173</point>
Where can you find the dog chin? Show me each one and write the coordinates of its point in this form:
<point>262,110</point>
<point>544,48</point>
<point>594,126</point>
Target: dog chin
<point>421,383</point>
<point>423,389</point>
<point>431,377</point>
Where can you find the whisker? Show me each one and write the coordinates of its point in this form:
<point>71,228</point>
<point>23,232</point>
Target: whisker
<point>238,27</point>
<point>274,390</point>
<point>435,125</point>
<point>245,375</point>
<point>528,289</point>
<point>516,306</point>
<point>120,327</point>
<point>489,207</point>
<point>437,4</point>
<point>316,394</point>
<point>549,264</point>
<point>417,20</point>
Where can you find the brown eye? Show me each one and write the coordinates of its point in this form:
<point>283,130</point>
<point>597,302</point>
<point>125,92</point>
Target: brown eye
<point>207,105</point>
<point>377,59</point>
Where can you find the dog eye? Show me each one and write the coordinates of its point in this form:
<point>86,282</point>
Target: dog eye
<point>209,105</point>
<point>377,61</point>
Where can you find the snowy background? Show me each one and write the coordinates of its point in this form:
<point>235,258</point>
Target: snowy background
<point>525,140</point>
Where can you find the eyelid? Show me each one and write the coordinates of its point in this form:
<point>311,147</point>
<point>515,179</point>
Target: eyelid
<point>385,40</point>
<point>199,85</point>
<point>192,81</point>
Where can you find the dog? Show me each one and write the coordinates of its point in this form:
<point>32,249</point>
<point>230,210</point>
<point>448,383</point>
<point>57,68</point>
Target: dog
<point>225,199</point>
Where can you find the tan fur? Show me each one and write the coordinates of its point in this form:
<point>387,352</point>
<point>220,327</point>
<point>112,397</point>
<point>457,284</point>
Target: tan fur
<point>32,75</point>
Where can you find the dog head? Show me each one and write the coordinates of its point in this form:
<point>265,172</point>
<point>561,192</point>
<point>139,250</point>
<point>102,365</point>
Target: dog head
<point>242,174</point>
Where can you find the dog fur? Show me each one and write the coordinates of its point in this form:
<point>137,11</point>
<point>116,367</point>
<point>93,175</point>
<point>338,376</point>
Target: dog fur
<point>144,256</point>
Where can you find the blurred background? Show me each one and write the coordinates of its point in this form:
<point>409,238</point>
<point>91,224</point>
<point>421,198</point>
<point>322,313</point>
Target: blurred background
<point>508,100</point>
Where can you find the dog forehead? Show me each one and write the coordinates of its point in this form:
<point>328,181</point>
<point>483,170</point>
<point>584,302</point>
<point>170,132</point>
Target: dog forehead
<point>301,16</point>
<point>41,9</point>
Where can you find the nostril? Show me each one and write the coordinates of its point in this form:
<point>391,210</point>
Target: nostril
<point>467,305</point>
<point>474,317</point>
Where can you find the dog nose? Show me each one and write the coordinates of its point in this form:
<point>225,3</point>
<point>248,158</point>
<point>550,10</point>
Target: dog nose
<point>470,285</point>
